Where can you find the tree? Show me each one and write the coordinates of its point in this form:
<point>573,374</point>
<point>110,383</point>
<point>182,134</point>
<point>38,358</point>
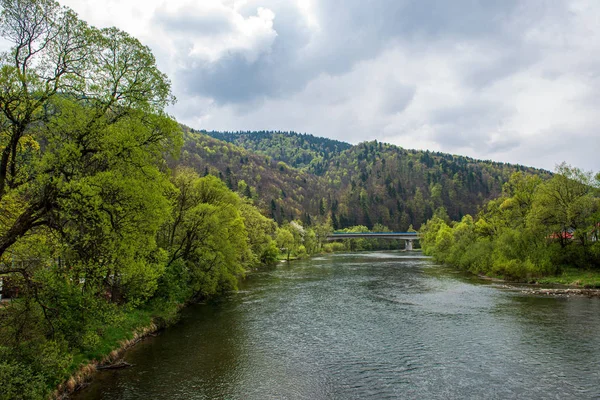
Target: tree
<point>285,241</point>
<point>83,137</point>
<point>260,235</point>
<point>566,202</point>
<point>206,234</point>
<point>310,241</point>
<point>76,102</point>
<point>322,230</point>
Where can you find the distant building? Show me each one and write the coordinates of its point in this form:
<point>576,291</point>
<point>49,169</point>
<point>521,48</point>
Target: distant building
<point>566,234</point>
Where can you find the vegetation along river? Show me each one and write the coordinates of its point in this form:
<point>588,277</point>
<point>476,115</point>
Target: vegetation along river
<point>368,325</point>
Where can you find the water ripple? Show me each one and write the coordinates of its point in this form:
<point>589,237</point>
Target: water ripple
<point>368,326</point>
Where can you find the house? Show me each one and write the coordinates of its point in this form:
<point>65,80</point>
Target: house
<point>565,234</point>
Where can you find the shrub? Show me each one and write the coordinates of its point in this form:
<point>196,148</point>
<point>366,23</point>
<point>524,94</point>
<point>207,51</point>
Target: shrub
<point>19,382</point>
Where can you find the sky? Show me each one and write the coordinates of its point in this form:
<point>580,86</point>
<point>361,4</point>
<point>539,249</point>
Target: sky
<point>513,81</point>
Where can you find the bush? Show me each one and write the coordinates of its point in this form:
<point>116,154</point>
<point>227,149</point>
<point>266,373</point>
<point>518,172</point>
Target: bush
<point>19,382</point>
<point>301,252</point>
<point>270,253</point>
<point>334,247</point>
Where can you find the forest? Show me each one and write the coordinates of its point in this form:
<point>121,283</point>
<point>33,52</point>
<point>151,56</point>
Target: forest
<point>296,176</point>
<point>535,228</point>
<point>113,215</point>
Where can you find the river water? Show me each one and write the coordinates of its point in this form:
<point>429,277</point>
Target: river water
<point>368,326</point>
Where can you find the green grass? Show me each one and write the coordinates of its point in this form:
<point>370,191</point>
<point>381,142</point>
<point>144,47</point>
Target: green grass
<point>574,277</point>
<point>123,329</point>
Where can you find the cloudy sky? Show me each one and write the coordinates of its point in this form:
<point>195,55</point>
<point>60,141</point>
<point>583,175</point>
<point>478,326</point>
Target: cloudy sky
<point>515,81</point>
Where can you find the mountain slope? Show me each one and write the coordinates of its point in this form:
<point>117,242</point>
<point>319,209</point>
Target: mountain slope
<point>297,150</point>
<point>280,191</point>
<point>382,183</point>
<point>292,176</point>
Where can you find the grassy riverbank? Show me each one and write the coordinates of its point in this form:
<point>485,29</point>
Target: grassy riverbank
<point>54,370</point>
<point>125,327</point>
<point>574,277</point>
<point>571,277</point>
<point>128,328</point>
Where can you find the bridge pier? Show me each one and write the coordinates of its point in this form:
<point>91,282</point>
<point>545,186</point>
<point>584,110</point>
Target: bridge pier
<point>408,245</point>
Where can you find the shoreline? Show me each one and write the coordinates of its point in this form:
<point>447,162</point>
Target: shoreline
<point>84,374</point>
<point>546,287</point>
<point>86,371</point>
<point>566,292</point>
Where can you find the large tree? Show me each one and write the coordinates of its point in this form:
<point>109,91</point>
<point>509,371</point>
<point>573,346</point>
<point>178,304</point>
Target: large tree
<point>81,125</point>
<point>206,237</point>
<point>566,203</point>
<point>83,134</point>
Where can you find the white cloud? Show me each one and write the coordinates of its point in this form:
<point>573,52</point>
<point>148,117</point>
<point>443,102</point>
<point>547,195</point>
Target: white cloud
<point>209,30</point>
<point>512,81</point>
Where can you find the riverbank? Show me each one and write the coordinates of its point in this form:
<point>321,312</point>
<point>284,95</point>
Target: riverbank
<point>574,277</point>
<point>571,278</point>
<point>131,328</point>
<point>571,282</point>
<point>562,292</point>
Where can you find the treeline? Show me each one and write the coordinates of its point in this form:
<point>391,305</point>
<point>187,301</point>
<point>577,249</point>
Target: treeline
<point>97,235</point>
<point>535,228</point>
<point>298,150</point>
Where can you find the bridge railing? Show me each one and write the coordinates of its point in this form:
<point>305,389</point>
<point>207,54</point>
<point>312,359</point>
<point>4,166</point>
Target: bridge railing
<point>375,233</point>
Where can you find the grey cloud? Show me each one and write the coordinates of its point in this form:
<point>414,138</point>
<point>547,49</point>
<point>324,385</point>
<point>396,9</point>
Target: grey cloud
<point>350,31</point>
<point>277,90</point>
<point>472,112</point>
<point>502,145</point>
<point>396,97</point>
<point>550,147</point>
<point>419,17</point>
<point>186,20</point>
<point>509,62</point>
<point>470,125</point>
<point>232,79</point>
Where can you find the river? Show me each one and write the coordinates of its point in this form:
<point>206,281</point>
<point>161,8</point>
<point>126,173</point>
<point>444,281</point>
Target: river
<point>381,325</point>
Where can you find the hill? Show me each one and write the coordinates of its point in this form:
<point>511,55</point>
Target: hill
<point>297,176</point>
<point>279,190</point>
<point>295,149</point>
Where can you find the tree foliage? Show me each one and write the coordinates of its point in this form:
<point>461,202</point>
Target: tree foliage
<point>94,227</point>
<point>534,228</point>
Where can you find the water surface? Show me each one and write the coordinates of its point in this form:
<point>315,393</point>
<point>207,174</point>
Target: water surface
<point>368,326</point>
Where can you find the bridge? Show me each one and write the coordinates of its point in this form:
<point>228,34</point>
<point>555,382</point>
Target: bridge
<point>407,236</point>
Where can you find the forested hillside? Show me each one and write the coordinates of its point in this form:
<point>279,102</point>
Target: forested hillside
<point>297,150</point>
<point>381,183</point>
<point>293,176</point>
<point>280,191</point>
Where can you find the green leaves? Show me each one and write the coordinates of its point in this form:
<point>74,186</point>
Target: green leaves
<point>533,229</point>
<point>207,233</point>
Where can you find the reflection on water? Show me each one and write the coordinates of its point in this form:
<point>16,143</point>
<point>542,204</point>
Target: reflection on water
<point>369,325</point>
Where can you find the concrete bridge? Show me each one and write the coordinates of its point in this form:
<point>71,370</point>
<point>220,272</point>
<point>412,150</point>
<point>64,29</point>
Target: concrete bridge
<point>408,237</point>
